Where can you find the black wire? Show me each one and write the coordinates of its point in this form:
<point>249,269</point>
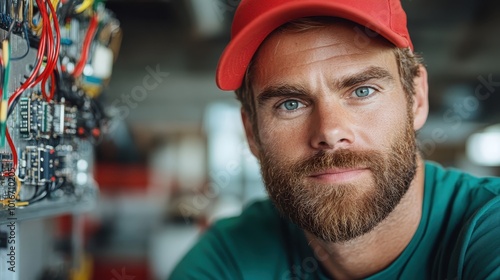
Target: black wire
<point>96,109</point>
<point>46,193</point>
<point>13,106</point>
<point>26,8</point>
<point>66,10</point>
<point>27,43</point>
<point>57,83</point>
<point>36,196</point>
<point>11,27</point>
<point>56,187</point>
<point>35,200</point>
<point>7,5</point>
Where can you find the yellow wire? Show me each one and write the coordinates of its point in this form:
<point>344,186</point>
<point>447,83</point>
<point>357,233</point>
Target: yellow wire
<point>20,13</point>
<point>38,28</point>
<point>85,5</point>
<point>25,203</point>
<point>5,52</point>
<point>30,14</point>
<point>18,187</point>
<point>6,59</point>
<point>16,196</point>
<point>55,3</point>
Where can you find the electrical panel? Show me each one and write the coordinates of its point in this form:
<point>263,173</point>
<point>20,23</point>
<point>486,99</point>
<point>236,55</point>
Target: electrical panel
<point>56,58</point>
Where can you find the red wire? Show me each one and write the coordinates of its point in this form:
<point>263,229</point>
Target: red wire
<point>47,45</point>
<point>12,148</point>
<point>52,48</point>
<point>28,83</point>
<point>9,139</point>
<point>50,41</point>
<point>54,53</point>
<point>44,91</point>
<point>86,46</point>
<point>39,57</point>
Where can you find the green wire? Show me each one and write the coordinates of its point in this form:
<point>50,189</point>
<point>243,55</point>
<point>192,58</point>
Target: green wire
<point>6,77</point>
<point>3,123</point>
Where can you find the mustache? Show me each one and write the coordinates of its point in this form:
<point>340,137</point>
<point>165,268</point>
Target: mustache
<point>342,158</point>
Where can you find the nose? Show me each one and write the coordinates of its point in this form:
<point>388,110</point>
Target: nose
<point>331,127</point>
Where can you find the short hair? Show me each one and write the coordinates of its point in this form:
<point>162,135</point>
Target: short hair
<point>408,62</point>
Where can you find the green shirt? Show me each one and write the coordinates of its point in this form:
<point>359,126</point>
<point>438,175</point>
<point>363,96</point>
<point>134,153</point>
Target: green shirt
<point>458,238</point>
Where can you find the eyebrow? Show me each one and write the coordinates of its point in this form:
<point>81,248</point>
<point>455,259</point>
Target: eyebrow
<point>280,91</point>
<point>370,73</point>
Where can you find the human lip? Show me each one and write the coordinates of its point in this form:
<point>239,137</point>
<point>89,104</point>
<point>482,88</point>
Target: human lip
<point>338,175</point>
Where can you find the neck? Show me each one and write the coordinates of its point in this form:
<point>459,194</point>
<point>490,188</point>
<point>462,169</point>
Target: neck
<point>376,250</point>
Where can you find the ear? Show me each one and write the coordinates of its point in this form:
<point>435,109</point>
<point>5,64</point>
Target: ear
<point>420,99</point>
<point>252,142</point>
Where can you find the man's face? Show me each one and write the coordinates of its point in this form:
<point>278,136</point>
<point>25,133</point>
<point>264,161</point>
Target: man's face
<point>335,132</point>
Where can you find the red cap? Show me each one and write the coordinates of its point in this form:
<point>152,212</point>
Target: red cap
<point>254,20</point>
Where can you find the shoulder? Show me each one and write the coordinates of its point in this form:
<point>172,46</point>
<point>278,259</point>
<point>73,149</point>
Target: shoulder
<point>477,255</point>
<point>462,190</point>
<point>233,248</point>
<point>452,177</point>
<point>460,208</point>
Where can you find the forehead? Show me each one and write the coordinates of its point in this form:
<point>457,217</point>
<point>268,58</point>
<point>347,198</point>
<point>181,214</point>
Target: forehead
<point>338,48</point>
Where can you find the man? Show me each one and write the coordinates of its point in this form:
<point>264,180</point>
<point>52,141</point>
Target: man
<point>332,95</point>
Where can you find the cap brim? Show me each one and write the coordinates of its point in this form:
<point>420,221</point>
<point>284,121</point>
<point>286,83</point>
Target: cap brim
<point>237,55</point>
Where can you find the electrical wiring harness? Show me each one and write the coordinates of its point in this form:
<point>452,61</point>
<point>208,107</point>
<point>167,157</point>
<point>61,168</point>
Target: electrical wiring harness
<point>51,79</point>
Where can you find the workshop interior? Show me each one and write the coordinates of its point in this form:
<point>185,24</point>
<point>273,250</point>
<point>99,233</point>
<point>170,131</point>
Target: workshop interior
<point>118,150</point>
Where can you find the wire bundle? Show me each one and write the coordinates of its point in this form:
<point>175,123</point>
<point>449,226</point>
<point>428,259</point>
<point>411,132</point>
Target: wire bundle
<point>49,47</point>
<point>46,37</point>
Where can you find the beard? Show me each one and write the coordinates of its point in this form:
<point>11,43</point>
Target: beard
<point>342,212</point>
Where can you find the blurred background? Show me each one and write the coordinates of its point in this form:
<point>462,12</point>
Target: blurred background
<point>176,159</point>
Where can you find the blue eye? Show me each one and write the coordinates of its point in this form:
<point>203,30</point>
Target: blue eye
<point>290,105</point>
<point>363,91</point>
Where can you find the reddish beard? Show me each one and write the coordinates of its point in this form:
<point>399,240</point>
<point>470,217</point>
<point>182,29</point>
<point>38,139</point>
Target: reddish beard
<point>341,212</point>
